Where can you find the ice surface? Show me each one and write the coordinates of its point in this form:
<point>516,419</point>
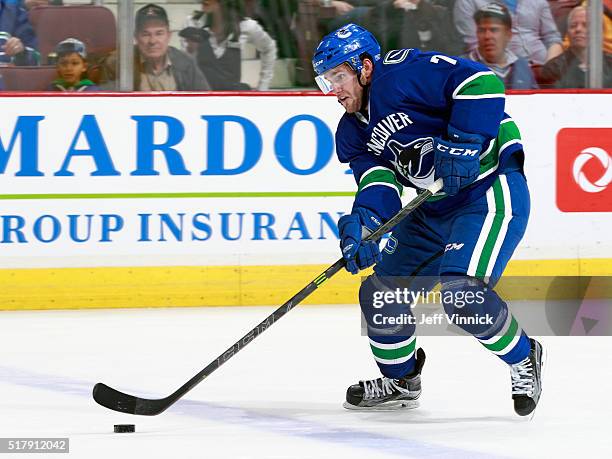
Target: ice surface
<point>281,396</point>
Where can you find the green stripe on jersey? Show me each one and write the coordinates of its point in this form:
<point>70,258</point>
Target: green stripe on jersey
<point>393,354</point>
<point>506,339</point>
<point>508,132</point>
<point>498,220</point>
<point>379,176</point>
<point>482,85</point>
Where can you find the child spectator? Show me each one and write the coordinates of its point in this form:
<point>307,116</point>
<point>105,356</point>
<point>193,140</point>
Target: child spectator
<point>72,67</point>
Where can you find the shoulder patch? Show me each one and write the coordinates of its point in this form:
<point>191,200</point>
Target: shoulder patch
<point>395,56</point>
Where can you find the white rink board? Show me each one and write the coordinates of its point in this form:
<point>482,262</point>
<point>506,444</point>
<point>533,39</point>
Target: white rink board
<point>117,120</point>
<point>553,234</point>
<point>282,139</point>
<point>220,231</point>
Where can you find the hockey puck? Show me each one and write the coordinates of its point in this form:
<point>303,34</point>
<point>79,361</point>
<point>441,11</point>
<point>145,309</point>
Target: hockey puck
<point>123,428</point>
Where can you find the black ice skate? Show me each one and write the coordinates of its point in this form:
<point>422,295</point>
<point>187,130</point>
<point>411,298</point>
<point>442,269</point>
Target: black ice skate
<point>527,380</point>
<point>385,393</point>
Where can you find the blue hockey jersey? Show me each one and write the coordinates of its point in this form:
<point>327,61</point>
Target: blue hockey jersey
<point>413,98</point>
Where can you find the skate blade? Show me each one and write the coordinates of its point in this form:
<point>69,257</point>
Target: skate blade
<point>542,366</point>
<point>390,406</point>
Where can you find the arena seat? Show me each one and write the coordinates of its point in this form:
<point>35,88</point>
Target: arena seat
<point>27,78</point>
<point>93,25</point>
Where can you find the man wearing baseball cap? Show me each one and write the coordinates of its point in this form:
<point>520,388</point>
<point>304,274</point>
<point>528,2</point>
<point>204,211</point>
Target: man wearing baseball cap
<point>494,32</point>
<point>158,66</point>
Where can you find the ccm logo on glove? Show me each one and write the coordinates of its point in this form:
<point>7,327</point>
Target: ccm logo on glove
<point>457,151</point>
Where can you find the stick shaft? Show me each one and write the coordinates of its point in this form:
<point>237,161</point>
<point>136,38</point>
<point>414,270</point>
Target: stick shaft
<point>119,401</point>
<point>304,293</point>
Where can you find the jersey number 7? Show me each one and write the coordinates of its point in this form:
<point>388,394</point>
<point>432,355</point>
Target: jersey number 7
<point>438,57</point>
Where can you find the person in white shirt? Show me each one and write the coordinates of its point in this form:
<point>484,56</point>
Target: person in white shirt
<point>215,37</point>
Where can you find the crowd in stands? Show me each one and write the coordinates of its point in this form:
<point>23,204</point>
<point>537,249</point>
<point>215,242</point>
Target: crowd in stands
<point>529,44</point>
<point>493,38</point>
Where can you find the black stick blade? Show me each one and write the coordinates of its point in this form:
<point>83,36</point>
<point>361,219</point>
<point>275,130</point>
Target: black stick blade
<point>125,403</point>
<point>113,399</point>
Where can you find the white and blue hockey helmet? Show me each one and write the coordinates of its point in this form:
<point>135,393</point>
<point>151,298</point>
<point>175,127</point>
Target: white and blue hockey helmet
<point>346,45</point>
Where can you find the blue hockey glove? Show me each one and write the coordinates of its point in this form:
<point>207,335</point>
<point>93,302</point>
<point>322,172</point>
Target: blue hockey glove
<point>353,228</point>
<point>457,161</point>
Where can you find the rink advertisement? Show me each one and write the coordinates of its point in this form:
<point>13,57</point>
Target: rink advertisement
<point>215,176</point>
<point>223,190</point>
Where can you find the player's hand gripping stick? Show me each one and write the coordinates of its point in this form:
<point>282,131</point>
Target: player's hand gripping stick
<point>358,251</point>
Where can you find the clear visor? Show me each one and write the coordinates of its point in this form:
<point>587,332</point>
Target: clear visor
<point>335,78</point>
<point>324,84</point>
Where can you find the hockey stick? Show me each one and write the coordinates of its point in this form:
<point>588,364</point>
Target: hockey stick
<point>125,403</point>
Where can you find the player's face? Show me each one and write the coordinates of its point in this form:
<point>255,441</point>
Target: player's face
<point>153,40</point>
<point>493,37</point>
<point>577,29</point>
<point>71,67</point>
<point>346,87</point>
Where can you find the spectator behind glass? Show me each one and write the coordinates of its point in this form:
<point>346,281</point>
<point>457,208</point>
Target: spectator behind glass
<point>352,11</point>
<point>607,25</point>
<point>494,32</point>
<point>216,37</point>
<point>415,24</point>
<point>72,67</point>
<point>158,66</point>
<point>561,9</point>
<point>569,70</point>
<point>18,43</point>
<point>535,35</point>
<point>278,18</point>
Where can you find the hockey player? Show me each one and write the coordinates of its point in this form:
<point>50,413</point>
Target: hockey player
<point>412,118</point>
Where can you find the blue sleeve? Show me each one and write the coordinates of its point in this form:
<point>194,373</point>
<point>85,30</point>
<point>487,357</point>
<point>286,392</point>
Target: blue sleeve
<point>14,20</point>
<point>377,187</point>
<point>476,98</point>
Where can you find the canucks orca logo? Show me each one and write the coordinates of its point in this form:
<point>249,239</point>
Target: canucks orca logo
<point>415,160</point>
